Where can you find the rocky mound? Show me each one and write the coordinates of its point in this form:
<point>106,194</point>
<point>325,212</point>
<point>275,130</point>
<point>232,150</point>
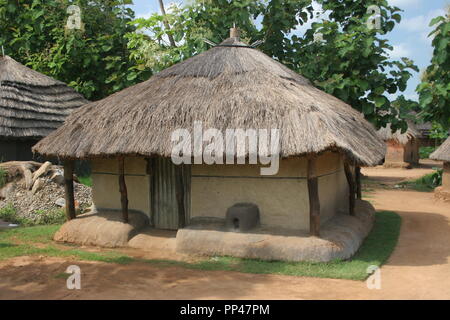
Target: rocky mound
<point>35,190</point>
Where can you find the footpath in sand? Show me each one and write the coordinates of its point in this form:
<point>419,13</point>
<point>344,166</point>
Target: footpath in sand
<point>419,268</point>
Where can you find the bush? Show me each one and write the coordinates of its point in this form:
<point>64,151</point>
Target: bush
<point>424,152</point>
<point>9,214</point>
<point>426,183</point>
<point>3,177</point>
<point>86,180</point>
<point>40,217</point>
<point>55,216</point>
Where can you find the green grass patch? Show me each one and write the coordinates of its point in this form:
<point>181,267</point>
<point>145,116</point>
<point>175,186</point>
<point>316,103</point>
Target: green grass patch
<point>36,234</point>
<point>86,180</point>
<point>40,217</point>
<point>375,250</point>
<point>425,184</point>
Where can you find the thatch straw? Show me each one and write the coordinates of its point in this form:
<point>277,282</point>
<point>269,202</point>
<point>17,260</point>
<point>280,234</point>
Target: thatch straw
<point>31,104</point>
<point>443,152</point>
<point>229,86</point>
<point>403,138</point>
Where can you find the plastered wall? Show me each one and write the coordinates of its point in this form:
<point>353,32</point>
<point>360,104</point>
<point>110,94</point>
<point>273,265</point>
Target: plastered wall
<point>105,180</point>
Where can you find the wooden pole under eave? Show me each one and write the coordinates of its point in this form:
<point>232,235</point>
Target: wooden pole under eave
<point>351,187</point>
<point>179,190</point>
<point>123,190</point>
<point>68,187</point>
<point>314,202</point>
<point>358,183</point>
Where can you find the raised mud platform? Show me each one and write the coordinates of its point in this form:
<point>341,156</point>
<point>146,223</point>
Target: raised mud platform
<point>442,194</point>
<point>103,229</point>
<point>397,165</point>
<point>340,238</point>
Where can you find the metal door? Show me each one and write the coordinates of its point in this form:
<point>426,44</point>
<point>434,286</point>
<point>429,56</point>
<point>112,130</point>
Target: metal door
<point>170,193</point>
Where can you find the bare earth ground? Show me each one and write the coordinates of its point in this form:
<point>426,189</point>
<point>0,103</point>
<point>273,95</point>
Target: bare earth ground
<point>419,268</point>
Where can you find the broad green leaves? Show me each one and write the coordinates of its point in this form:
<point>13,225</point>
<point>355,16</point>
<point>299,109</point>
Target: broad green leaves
<point>434,90</point>
<point>94,59</point>
<point>352,63</point>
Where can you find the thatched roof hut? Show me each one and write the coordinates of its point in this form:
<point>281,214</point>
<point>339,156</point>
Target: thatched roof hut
<point>229,86</point>
<point>387,134</point>
<point>31,104</point>
<point>443,154</point>
<point>127,137</point>
<point>402,148</point>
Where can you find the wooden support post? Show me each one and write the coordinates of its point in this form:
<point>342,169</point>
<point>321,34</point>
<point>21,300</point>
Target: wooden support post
<point>123,189</point>
<point>179,189</point>
<point>68,186</point>
<point>351,187</point>
<point>151,175</point>
<point>314,202</point>
<point>358,183</point>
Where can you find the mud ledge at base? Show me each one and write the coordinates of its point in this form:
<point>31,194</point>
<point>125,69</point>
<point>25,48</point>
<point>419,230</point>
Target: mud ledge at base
<point>397,165</point>
<point>442,194</point>
<point>341,237</point>
<point>103,228</point>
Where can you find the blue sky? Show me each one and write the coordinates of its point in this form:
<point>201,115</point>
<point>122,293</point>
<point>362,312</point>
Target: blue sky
<point>409,38</point>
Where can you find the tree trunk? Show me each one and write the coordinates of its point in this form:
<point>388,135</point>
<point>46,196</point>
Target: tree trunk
<point>123,189</point>
<point>166,24</point>
<point>314,202</point>
<point>352,188</point>
<point>68,186</point>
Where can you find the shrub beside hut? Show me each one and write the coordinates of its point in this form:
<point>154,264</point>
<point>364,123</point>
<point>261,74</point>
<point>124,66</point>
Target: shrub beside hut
<point>443,154</point>
<point>402,148</point>
<point>31,106</point>
<point>127,138</point>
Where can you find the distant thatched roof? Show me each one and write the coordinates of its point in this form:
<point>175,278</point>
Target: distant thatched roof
<point>403,138</point>
<point>31,104</point>
<point>443,152</point>
<point>230,86</point>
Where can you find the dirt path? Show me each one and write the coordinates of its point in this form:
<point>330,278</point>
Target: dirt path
<point>419,268</point>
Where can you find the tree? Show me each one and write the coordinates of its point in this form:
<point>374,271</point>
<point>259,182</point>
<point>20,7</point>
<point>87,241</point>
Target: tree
<point>434,90</point>
<point>352,63</point>
<point>93,57</point>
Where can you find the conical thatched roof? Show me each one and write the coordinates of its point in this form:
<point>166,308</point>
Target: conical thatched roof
<point>386,133</point>
<point>443,152</point>
<point>229,86</point>
<point>31,104</point>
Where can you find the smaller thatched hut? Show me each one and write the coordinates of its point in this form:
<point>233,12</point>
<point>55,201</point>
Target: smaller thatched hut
<point>443,154</point>
<point>402,148</point>
<point>31,106</point>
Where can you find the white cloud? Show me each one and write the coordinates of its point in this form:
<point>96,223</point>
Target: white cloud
<point>412,96</point>
<point>420,24</point>
<point>145,15</point>
<point>400,50</point>
<point>405,3</point>
<point>169,7</point>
